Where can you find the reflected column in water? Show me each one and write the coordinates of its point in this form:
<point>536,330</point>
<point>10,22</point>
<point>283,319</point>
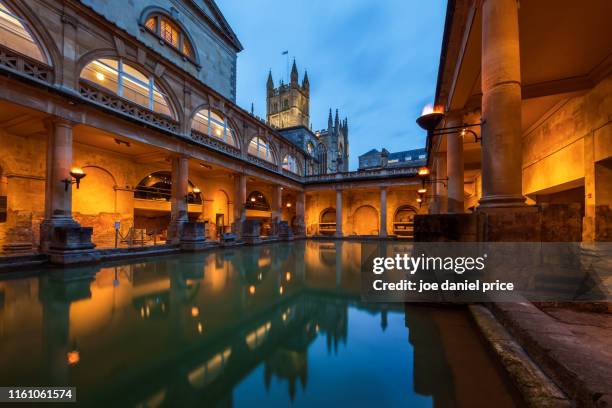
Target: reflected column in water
<point>339,264</point>
<point>58,290</point>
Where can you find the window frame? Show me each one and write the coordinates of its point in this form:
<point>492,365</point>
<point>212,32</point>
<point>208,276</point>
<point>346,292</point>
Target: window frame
<point>290,164</point>
<point>226,126</point>
<point>121,73</point>
<point>183,37</point>
<point>261,142</point>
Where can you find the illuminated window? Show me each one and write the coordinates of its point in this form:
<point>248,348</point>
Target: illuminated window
<point>310,148</point>
<point>127,82</point>
<point>258,147</point>
<point>158,187</point>
<point>290,163</point>
<point>213,124</point>
<point>170,33</point>
<point>393,161</point>
<point>257,201</point>
<point>14,34</point>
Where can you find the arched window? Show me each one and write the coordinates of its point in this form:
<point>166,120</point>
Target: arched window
<point>14,34</point>
<point>170,32</point>
<point>215,125</point>
<point>158,186</point>
<point>258,147</point>
<point>310,148</point>
<point>127,82</point>
<point>290,163</point>
<point>257,201</point>
<point>327,221</point>
<point>322,156</point>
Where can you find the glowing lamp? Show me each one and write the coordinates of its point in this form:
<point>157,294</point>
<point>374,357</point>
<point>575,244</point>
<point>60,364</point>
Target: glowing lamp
<point>196,191</point>
<point>422,190</point>
<point>419,200</point>
<point>288,205</point>
<point>100,76</point>
<point>430,118</point>
<point>423,171</point>
<point>253,199</point>
<point>77,174</point>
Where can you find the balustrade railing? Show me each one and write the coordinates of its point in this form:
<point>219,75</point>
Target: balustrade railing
<point>215,143</point>
<point>24,65</point>
<point>118,104</point>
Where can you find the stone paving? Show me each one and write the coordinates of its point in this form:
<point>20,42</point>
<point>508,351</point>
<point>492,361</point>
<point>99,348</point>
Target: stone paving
<point>571,347</point>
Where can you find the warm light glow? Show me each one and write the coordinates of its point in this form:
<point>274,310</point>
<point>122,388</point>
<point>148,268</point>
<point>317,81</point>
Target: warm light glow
<point>288,205</point>
<point>284,316</point>
<point>281,290</point>
<point>429,108</point>
<point>200,328</point>
<point>195,312</point>
<point>100,76</point>
<point>73,357</point>
<point>419,200</point>
<point>423,171</point>
<point>422,190</point>
<point>253,199</point>
<point>77,170</point>
<point>252,289</point>
<point>259,276</point>
<point>462,132</point>
<point>196,190</point>
<point>218,132</point>
<point>288,276</point>
<point>316,328</point>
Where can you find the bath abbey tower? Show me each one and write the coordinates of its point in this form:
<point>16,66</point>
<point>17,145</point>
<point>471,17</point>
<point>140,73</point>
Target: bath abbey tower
<point>288,110</point>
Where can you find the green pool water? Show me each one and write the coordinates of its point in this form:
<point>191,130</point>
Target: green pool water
<point>271,325</point>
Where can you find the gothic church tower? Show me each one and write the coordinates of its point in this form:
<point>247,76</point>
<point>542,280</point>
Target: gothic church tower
<point>289,104</point>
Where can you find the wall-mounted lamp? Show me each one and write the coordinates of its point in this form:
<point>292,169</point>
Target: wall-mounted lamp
<point>77,174</point>
<point>430,119</point>
<point>288,205</point>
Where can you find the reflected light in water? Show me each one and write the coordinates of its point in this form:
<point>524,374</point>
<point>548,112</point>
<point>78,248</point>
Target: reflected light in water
<point>73,357</point>
<point>195,312</point>
<point>281,290</point>
<point>288,276</point>
<point>252,289</point>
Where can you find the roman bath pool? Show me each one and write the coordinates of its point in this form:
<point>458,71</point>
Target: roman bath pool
<point>270,325</point>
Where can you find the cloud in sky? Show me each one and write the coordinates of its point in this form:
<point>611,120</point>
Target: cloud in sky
<point>374,60</point>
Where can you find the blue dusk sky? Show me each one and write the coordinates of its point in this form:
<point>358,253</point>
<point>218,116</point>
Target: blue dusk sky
<point>374,60</point>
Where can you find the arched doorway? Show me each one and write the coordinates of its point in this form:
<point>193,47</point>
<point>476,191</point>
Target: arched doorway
<point>221,212</point>
<point>327,221</point>
<point>403,221</point>
<point>258,208</point>
<point>365,221</point>
<point>152,206</point>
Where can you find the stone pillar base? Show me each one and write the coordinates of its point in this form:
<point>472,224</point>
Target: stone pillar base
<point>18,248</point>
<point>284,231</point>
<point>74,257</point>
<point>193,236</point>
<point>69,244</point>
<point>251,232</point>
<point>501,201</point>
<point>175,231</point>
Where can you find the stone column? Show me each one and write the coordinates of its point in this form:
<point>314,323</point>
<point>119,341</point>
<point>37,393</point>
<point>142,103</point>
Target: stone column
<point>441,189</point>
<point>454,166</point>
<point>178,201</point>
<point>277,207</point>
<point>339,213</point>
<point>501,105</point>
<point>383,213</point>
<point>240,189</point>
<point>300,209</point>
<point>58,198</point>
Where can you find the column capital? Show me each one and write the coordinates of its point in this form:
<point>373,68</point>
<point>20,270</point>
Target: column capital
<point>52,122</point>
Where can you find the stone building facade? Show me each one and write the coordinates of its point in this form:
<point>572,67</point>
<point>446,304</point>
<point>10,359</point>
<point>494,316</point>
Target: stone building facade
<point>530,106</point>
<point>137,105</point>
<point>383,158</point>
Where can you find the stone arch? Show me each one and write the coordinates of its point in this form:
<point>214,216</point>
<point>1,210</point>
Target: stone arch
<point>175,106</point>
<point>150,187</point>
<point>147,11</point>
<point>44,39</point>
<point>257,200</point>
<point>403,220</point>
<point>230,120</point>
<point>221,205</point>
<point>327,221</point>
<point>366,221</point>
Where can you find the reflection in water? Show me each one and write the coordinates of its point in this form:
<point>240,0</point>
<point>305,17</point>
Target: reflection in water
<point>275,324</point>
